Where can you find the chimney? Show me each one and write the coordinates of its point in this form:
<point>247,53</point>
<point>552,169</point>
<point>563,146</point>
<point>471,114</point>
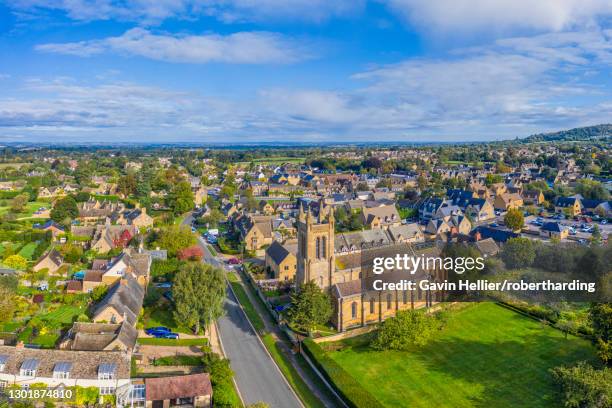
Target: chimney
<point>477,236</point>
<point>19,345</point>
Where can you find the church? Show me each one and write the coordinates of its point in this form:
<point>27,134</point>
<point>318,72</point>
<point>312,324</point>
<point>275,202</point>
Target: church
<point>345,271</point>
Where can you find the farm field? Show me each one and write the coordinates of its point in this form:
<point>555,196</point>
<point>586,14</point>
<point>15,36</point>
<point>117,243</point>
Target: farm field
<point>486,356</point>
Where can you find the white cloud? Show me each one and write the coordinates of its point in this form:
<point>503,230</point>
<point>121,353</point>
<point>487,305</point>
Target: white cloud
<point>239,48</point>
<point>511,88</point>
<point>436,17</point>
<point>152,12</point>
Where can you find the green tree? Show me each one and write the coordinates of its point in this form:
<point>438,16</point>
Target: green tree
<point>310,307</point>
<point>600,317</point>
<point>583,386</point>
<point>174,238</point>
<point>514,219</point>
<point>16,262</point>
<point>596,235</point>
<point>181,198</point>
<point>127,184</point>
<point>406,329</point>
<point>18,203</point>
<point>64,209</point>
<point>98,293</point>
<point>518,253</point>
<point>198,291</point>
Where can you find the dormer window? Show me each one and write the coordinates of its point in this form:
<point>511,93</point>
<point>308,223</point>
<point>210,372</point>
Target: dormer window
<point>28,367</point>
<point>62,370</point>
<point>107,371</point>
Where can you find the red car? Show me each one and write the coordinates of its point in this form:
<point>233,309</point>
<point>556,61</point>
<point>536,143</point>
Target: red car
<point>234,261</point>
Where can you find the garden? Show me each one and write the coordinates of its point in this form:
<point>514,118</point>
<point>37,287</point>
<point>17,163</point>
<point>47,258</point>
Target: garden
<point>486,355</point>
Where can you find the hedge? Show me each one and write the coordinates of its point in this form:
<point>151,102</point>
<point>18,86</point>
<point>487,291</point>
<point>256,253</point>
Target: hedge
<point>353,393</point>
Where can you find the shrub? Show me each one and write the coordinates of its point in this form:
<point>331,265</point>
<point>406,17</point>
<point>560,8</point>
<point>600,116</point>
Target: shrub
<point>406,329</point>
<point>584,386</point>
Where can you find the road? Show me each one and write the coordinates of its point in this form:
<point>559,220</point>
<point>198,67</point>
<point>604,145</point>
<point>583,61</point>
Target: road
<point>257,376</point>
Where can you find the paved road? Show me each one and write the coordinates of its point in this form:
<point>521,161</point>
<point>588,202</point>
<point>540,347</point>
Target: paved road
<point>256,375</point>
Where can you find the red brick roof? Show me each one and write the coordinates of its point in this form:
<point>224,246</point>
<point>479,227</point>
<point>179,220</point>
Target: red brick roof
<point>192,385</point>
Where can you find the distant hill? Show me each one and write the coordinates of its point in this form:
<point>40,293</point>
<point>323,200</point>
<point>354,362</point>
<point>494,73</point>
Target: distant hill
<point>597,132</point>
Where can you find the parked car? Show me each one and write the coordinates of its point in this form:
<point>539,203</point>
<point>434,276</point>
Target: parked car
<point>152,331</point>
<point>163,285</point>
<point>234,261</point>
<point>603,222</point>
<point>169,335</point>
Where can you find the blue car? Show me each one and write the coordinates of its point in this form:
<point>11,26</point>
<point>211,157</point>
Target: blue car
<point>152,331</point>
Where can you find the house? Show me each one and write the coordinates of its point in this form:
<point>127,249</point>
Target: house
<point>52,261</point>
<point>255,231</point>
<point>381,217</point>
<point>507,201</point>
<point>480,209</point>
<point>487,247</point>
<point>122,302</point>
<point>572,205</point>
<point>266,208</point>
<point>452,225</point>
<point>535,197</point>
<point>281,260</point>
<point>428,207</point>
<point>107,236</point>
<point>553,230</point>
<point>137,217</point>
<point>105,370</point>
<point>200,196</point>
<point>407,233</point>
<point>598,207</point>
<point>93,211</point>
<point>100,337</point>
<point>193,390</point>
<point>55,228</point>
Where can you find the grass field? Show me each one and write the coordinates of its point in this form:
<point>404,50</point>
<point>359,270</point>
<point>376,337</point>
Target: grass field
<point>487,356</point>
<point>64,314</point>
<point>28,250</point>
<point>248,307</point>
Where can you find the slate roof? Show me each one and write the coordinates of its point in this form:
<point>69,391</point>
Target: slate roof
<point>125,297</point>
<point>277,252</point>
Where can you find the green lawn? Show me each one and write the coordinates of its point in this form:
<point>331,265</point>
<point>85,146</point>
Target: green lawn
<point>28,250</point>
<point>162,315</point>
<point>486,356</point>
<point>151,341</point>
<point>65,314</point>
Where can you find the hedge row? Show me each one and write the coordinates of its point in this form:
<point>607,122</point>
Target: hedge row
<point>345,385</point>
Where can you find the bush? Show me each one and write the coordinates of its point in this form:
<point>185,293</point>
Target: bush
<point>406,329</point>
<point>584,386</point>
<point>345,385</point>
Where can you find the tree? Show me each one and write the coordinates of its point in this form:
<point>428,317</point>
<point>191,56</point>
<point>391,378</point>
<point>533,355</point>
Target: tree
<point>16,262</point>
<point>213,218</point>
<point>198,291</point>
<point>127,185</point>
<point>596,235</point>
<point>64,209</point>
<point>518,253</point>
<point>174,238</point>
<point>19,202</point>
<point>192,253</point>
<point>310,307</point>
<point>98,293</point>
<point>406,329</point>
<point>514,219</point>
<point>584,386</point>
<point>181,198</point>
<point>600,317</point>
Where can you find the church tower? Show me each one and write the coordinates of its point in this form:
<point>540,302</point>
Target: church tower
<point>315,257</point>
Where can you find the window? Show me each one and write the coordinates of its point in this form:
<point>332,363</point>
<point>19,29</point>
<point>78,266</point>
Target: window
<point>324,249</point>
<point>388,301</point>
<point>107,390</point>
<point>354,310</point>
<point>3,384</point>
<point>318,248</point>
<point>286,267</point>
<point>62,370</point>
<point>28,367</point>
<point>106,371</point>
<point>3,360</point>
<point>372,305</point>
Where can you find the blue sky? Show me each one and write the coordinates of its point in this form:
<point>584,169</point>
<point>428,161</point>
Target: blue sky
<point>301,70</point>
